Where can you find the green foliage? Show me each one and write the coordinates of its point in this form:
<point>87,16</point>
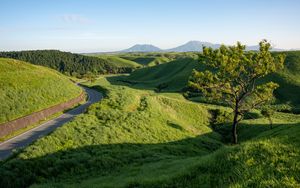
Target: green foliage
<point>66,62</point>
<point>90,76</point>
<point>232,78</point>
<point>27,88</point>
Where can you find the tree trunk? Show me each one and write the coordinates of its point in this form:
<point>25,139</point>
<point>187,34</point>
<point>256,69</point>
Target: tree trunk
<point>234,125</point>
<point>271,122</point>
<point>234,133</point>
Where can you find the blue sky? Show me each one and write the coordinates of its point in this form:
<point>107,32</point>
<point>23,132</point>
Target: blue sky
<point>107,25</point>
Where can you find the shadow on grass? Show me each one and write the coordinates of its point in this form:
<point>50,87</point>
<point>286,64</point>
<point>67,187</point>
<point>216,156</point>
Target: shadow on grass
<point>247,132</point>
<point>76,164</point>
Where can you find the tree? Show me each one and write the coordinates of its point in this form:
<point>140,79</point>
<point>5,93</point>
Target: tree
<point>232,78</point>
<point>90,77</point>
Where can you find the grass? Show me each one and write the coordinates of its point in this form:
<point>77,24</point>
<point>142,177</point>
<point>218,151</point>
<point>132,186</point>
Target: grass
<point>174,76</point>
<point>27,88</point>
<point>139,138</point>
<point>118,61</point>
<point>148,60</point>
<point>25,129</point>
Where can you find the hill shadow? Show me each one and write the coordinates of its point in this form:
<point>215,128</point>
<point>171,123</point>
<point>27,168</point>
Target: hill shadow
<point>247,131</point>
<point>123,81</point>
<point>92,160</point>
<point>76,164</point>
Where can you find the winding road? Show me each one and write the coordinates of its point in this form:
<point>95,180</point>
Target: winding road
<point>31,135</point>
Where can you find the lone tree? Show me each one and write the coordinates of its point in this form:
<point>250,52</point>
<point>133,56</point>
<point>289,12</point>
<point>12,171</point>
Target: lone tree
<point>232,78</point>
<point>90,76</point>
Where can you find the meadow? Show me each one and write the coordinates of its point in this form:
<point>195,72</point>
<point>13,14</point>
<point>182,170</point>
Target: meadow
<point>27,88</point>
<point>141,138</point>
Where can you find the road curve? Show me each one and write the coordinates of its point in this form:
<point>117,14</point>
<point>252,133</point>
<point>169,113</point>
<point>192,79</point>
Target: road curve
<point>31,135</point>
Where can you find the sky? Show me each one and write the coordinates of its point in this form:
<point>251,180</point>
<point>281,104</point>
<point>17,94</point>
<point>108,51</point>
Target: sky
<point>110,25</point>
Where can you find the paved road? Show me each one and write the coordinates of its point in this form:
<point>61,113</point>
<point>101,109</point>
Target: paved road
<point>26,138</point>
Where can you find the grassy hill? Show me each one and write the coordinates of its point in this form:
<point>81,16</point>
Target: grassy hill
<point>147,59</point>
<point>134,135</point>
<point>118,61</point>
<point>27,88</point>
<point>174,76</point>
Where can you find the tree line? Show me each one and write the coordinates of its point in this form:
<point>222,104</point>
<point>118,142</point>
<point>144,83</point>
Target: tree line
<point>66,62</point>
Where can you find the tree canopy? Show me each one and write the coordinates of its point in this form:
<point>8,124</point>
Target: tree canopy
<point>233,77</point>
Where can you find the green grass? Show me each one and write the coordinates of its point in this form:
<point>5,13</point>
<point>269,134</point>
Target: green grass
<point>139,138</point>
<point>174,76</point>
<point>27,88</point>
<point>118,61</point>
<point>147,60</point>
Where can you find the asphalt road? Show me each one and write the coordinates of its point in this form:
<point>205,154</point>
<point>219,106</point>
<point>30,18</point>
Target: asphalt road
<point>28,137</point>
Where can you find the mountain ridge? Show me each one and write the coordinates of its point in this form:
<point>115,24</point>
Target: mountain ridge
<point>190,46</point>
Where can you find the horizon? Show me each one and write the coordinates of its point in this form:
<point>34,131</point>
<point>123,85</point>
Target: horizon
<point>107,26</point>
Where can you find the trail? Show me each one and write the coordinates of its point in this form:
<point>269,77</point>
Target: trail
<point>24,139</point>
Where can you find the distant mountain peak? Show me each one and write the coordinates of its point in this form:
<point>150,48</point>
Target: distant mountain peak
<point>193,46</point>
<point>142,48</point>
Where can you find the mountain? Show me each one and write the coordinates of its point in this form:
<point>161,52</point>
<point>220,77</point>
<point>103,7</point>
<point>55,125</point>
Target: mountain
<point>196,46</point>
<point>142,48</point>
<point>193,46</point>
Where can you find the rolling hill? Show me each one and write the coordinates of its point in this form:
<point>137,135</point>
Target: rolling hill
<point>133,135</point>
<point>174,76</point>
<point>66,62</point>
<point>118,61</point>
<point>146,59</point>
<point>27,88</point>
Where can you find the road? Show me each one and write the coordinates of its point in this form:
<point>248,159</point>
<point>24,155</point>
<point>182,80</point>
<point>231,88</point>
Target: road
<point>28,137</point>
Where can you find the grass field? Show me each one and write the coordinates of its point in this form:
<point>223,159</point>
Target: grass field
<point>27,88</point>
<point>173,77</point>
<point>139,138</point>
<point>118,61</point>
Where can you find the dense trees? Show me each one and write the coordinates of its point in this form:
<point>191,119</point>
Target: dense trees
<point>66,62</point>
<point>233,75</point>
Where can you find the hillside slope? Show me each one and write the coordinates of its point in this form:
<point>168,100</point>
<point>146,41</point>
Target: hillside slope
<point>27,88</point>
<point>174,76</point>
<point>132,136</point>
<point>146,59</point>
<point>66,62</point>
<point>118,61</point>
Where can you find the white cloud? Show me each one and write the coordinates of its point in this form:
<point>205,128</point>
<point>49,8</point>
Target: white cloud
<point>75,18</point>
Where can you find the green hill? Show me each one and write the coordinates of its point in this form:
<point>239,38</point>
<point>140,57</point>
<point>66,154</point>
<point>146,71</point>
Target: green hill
<point>118,61</point>
<point>139,138</point>
<point>147,59</point>
<point>174,76</point>
<point>66,62</point>
<point>27,88</point>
